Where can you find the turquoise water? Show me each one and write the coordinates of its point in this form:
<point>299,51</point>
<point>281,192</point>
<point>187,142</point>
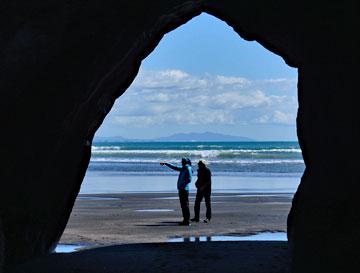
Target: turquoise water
<point>67,248</point>
<point>237,167</point>
<point>225,158</point>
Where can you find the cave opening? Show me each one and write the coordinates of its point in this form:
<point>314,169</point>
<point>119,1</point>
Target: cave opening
<point>194,96</point>
<point>65,64</point>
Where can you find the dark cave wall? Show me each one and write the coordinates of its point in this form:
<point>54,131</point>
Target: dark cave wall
<point>324,219</point>
<point>65,62</point>
<point>73,59</point>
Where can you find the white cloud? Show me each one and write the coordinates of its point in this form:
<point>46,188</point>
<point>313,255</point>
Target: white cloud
<point>167,79</point>
<point>174,74</point>
<point>161,108</point>
<point>263,119</point>
<point>281,80</point>
<point>277,117</point>
<point>176,97</point>
<point>281,84</point>
<point>159,97</point>
<point>223,80</point>
<point>136,121</point>
<point>283,118</point>
<point>235,100</point>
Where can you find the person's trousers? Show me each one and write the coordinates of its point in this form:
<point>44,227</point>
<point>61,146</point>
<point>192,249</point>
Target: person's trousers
<point>199,196</point>
<point>184,203</point>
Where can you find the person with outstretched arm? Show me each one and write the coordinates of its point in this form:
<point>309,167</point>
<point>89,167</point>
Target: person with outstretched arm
<point>203,185</point>
<point>184,179</point>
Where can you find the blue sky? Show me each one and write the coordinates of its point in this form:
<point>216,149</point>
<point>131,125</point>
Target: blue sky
<point>204,77</point>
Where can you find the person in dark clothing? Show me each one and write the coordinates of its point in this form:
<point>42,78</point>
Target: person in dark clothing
<point>203,185</point>
<point>183,182</point>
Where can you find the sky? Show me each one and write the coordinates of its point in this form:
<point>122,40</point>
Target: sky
<point>204,77</point>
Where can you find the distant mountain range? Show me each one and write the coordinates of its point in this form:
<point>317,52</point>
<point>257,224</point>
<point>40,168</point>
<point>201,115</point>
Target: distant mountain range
<point>112,139</point>
<point>182,137</point>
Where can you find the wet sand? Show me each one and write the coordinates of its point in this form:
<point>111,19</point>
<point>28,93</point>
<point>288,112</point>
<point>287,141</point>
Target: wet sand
<point>105,219</point>
<point>134,228</point>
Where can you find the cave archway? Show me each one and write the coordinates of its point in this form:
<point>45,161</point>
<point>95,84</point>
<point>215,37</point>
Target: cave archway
<point>176,94</point>
<point>75,43</point>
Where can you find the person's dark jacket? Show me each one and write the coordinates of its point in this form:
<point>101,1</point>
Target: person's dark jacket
<point>203,182</point>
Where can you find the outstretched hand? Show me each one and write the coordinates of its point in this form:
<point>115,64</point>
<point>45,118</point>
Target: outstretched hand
<point>162,163</point>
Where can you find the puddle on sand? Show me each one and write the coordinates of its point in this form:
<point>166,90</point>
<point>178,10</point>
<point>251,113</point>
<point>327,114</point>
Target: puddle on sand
<point>154,210</point>
<point>263,236</point>
<point>64,248</point>
<point>286,195</point>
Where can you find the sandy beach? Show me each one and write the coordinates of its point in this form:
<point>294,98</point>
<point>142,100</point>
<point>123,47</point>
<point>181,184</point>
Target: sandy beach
<point>131,232</point>
<point>104,219</point>
<point>129,223</point>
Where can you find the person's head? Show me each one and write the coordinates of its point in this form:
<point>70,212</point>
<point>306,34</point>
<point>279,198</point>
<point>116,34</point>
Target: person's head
<point>183,161</point>
<point>202,164</point>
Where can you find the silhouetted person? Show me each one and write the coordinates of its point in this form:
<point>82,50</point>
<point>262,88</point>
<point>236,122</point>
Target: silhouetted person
<point>183,182</point>
<point>203,185</point>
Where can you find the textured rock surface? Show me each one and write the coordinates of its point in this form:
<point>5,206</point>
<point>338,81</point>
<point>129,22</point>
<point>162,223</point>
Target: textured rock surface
<point>64,62</point>
<point>1,248</point>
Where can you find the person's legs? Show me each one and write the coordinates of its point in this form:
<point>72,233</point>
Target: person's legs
<point>181,199</point>
<point>208,204</point>
<point>186,207</point>
<point>199,197</point>
<point>184,203</point>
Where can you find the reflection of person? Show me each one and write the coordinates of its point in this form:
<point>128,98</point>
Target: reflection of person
<point>183,182</point>
<point>203,185</point>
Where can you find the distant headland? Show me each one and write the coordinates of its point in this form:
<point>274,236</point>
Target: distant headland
<point>181,137</point>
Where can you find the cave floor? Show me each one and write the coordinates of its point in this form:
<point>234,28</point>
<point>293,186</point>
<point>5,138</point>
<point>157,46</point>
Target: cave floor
<point>241,256</point>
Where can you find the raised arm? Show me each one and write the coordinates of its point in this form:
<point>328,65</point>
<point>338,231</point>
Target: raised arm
<point>171,166</point>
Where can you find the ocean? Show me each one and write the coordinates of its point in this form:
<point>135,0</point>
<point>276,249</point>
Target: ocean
<point>236,166</point>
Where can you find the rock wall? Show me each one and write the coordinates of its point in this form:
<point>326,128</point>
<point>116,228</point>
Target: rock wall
<point>1,248</point>
<point>64,62</point>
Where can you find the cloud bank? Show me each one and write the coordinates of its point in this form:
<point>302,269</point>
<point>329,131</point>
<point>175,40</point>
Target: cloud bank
<point>177,97</point>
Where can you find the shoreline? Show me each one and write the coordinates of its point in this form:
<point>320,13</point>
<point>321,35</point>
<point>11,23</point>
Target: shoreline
<point>107,183</point>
